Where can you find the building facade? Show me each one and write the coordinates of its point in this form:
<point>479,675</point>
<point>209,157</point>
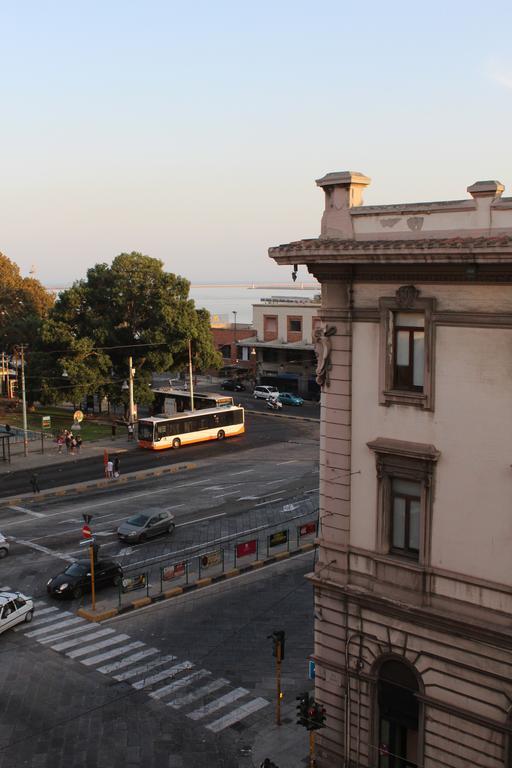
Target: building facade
<point>282,345</point>
<point>413,584</point>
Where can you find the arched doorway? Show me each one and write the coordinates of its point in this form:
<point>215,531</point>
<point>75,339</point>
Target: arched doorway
<point>399,715</point>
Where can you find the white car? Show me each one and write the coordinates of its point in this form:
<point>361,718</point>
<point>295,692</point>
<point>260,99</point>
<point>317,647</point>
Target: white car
<point>4,546</point>
<point>14,608</point>
<point>264,392</point>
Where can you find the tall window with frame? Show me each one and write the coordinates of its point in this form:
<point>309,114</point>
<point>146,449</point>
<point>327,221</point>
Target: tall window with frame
<point>409,351</point>
<point>405,517</point>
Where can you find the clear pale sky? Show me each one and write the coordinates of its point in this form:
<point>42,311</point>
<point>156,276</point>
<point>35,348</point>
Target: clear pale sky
<point>193,132</point>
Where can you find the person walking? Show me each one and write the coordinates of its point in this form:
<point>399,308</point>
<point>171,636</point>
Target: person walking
<point>116,466</point>
<point>110,469</point>
<point>73,445</point>
<point>34,483</point>
<point>78,443</point>
<point>67,440</point>
<point>113,431</point>
<point>60,443</point>
<point>130,432</point>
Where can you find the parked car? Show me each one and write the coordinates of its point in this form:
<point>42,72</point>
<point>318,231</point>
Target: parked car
<point>4,546</point>
<point>233,386</point>
<point>14,608</point>
<point>76,578</point>
<point>263,392</point>
<point>146,525</point>
<point>287,398</point>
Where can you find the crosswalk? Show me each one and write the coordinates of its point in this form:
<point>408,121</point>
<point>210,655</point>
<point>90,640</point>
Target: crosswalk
<point>212,702</point>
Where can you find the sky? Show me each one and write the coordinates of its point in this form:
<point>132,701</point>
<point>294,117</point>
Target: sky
<point>193,132</point>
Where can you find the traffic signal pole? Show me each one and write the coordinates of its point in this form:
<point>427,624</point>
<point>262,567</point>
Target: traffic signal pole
<point>93,586</point>
<point>278,684</point>
<point>312,761</point>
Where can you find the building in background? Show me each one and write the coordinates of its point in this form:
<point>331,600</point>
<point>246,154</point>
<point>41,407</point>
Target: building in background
<point>282,343</point>
<point>236,358</point>
<point>413,583</point>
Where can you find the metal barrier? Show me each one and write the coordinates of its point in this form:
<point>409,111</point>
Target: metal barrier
<point>213,559</point>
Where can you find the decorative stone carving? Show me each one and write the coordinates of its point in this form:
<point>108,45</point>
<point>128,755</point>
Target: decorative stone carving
<point>323,353</point>
<point>406,296</point>
<point>389,222</point>
<point>415,223</point>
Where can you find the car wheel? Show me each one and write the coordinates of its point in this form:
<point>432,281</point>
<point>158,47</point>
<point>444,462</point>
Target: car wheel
<point>221,434</point>
<point>77,593</point>
<point>176,443</point>
<point>171,528</point>
<point>3,552</point>
<point>28,616</point>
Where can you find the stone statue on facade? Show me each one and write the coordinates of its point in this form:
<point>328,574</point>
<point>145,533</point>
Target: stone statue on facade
<point>322,343</point>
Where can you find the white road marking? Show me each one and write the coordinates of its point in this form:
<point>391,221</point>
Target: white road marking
<point>46,551</point>
<point>183,701</point>
<point>243,472</point>
<point>83,639</point>
<point>58,625</point>
<point>274,482</point>
<point>182,683</point>
<point>201,520</point>
<point>270,501</point>
<point>111,654</point>
<point>41,611</point>
<point>85,650</point>
<point>290,461</point>
<point>86,625</point>
<point>216,704</point>
<point>107,668</point>
<point>248,498</point>
<point>143,668</point>
<point>228,493</point>
<point>27,511</point>
<point>170,672</point>
<point>196,482</point>
<point>237,714</point>
<point>45,619</point>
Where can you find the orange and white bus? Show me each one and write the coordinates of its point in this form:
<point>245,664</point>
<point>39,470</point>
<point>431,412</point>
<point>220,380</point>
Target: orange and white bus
<point>158,433</point>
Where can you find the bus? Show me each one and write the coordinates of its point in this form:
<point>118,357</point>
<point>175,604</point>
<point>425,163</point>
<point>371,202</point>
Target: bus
<point>157,432</point>
<point>169,400</point>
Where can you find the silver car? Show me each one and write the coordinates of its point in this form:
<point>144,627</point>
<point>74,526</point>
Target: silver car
<point>4,546</point>
<point>145,526</point>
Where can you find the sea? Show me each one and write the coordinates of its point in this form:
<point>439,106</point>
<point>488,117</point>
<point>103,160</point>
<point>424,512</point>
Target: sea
<point>222,301</point>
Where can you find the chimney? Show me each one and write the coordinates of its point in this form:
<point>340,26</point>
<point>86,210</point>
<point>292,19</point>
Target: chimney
<point>343,190</point>
<point>484,193</point>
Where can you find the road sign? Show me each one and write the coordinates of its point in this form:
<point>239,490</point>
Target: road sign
<point>246,548</point>
<point>78,416</point>
<point>86,531</point>
<point>46,422</point>
<point>311,671</point>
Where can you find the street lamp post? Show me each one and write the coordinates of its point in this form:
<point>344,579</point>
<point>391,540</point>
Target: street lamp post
<point>129,386</point>
<point>235,314</point>
<point>21,349</point>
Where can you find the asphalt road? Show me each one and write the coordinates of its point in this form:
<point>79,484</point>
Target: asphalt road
<point>260,430</point>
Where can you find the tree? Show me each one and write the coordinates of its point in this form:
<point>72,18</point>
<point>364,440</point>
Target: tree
<point>130,308</point>
<point>24,303</point>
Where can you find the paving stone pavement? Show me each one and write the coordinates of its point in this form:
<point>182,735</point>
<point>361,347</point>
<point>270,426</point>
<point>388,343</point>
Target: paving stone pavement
<point>78,694</point>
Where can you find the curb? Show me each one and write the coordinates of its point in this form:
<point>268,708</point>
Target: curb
<point>88,486</point>
<point>283,415</point>
<point>204,582</point>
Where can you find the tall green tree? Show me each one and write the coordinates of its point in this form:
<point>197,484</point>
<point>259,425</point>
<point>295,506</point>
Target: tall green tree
<point>24,303</point>
<point>130,308</point>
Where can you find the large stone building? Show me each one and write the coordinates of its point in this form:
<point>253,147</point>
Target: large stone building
<point>413,584</point>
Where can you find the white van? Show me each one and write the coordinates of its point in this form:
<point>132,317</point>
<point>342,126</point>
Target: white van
<point>264,392</point>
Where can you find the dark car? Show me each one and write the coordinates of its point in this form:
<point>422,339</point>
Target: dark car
<point>233,386</point>
<point>76,578</point>
<point>146,525</point>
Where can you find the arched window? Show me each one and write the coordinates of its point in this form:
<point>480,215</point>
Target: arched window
<point>399,716</point>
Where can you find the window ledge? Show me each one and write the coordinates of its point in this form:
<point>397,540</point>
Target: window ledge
<point>403,397</point>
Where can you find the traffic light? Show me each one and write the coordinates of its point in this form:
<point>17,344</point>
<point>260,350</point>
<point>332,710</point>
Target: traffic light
<point>302,709</point>
<point>316,717</point>
<point>278,643</point>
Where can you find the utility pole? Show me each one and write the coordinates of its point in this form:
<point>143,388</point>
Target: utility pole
<point>190,375</point>
<point>24,399</point>
<point>130,385</point>
<point>278,637</point>
<point>234,334</point>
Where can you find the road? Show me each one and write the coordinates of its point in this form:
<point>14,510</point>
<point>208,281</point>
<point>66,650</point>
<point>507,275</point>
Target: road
<point>187,682</point>
<point>263,429</point>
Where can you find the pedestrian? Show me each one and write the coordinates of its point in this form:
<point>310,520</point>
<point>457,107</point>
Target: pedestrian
<point>113,431</point>
<point>34,483</point>
<point>78,443</point>
<point>130,431</point>
<point>73,445</point>
<point>110,469</point>
<point>8,429</point>
<point>67,440</point>
<point>116,466</point>
<point>60,443</point>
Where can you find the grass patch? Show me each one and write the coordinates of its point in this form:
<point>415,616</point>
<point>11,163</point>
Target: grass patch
<point>61,419</point>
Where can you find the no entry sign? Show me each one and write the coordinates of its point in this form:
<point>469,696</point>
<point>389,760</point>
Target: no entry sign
<point>86,531</point>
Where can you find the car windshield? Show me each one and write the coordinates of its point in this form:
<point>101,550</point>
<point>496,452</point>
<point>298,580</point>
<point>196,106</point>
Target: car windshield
<point>75,569</point>
<point>138,521</point>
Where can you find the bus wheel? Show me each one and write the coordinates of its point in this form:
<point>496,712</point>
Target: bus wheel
<point>176,443</point>
<point>221,434</point>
